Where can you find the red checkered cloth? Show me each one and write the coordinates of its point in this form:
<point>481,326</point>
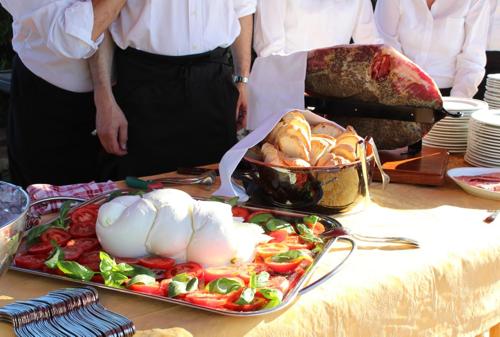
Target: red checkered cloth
<point>85,191</point>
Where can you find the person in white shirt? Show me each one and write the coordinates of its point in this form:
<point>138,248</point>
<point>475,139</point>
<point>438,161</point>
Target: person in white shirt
<point>493,48</point>
<point>287,26</point>
<point>51,114</point>
<point>175,103</point>
<point>446,38</point>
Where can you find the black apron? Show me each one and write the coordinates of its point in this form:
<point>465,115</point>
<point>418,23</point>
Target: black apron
<point>492,67</point>
<point>49,132</point>
<point>180,111</point>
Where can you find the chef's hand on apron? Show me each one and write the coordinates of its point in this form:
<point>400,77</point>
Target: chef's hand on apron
<point>241,107</point>
<point>111,125</point>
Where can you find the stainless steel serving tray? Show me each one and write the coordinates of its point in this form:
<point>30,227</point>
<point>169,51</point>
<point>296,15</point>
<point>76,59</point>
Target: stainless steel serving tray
<point>300,289</point>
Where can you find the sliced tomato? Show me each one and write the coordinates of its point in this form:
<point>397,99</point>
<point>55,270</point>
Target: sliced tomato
<point>207,299</point>
<point>240,212</point>
<point>148,289</point>
<point>40,248</point>
<point>294,242</point>
<point>191,268</point>
<point>82,230</point>
<point>278,236</point>
<point>127,260</point>
<point>286,267</point>
<point>86,244</point>
<point>72,253</point>
<point>270,249</point>
<point>56,234</point>
<point>317,228</point>
<point>91,260</point>
<point>85,215</point>
<point>155,262</point>
<point>30,261</point>
<point>279,282</point>
<point>246,270</point>
<point>257,304</point>
<point>97,278</point>
<point>214,273</point>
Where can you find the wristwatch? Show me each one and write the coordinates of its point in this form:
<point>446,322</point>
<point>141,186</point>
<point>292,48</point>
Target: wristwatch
<point>240,79</point>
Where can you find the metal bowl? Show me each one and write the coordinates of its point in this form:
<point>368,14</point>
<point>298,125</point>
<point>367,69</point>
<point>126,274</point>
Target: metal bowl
<point>315,189</point>
<point>14,205</point>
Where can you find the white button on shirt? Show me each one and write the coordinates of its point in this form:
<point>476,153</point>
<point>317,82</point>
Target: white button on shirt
<point>448,41</point>
<point>494,38</point>
<point>180,27</point>
<point>53,37</point>
<point>287,26</point>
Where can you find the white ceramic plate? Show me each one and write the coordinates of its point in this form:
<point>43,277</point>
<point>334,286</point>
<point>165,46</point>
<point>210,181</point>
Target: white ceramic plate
<point>463,104</point>
<point>474,171</point>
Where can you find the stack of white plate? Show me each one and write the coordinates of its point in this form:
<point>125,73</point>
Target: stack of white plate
<point>492,95</point>
<point>483,147</point>
<point>451,133</point>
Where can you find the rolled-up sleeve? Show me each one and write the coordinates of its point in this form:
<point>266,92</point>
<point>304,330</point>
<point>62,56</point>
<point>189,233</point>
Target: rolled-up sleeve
<point>472,59</point>
<point>68,26</point>
<point>244,7</point>
<point>387,14</point>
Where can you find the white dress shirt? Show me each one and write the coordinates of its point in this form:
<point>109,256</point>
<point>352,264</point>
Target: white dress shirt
<point>180,27</point>
<point>287,26</point>
<point>448,41</point>
<point>494,39</point>
<point>53,37</point>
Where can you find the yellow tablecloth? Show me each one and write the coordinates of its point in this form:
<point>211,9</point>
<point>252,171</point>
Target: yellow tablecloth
<point>448,287</point>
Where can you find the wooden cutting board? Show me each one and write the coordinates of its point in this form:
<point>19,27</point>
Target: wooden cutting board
<point>425,168</point>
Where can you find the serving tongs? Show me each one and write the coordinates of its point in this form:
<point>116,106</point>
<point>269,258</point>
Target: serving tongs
<point>343,231</point>
<point>207,178</point>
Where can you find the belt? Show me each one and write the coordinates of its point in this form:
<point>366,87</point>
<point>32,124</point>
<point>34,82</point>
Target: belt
<point>218,55</point>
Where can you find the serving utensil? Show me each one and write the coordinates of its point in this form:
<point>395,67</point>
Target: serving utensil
<point>207,178</point>
<point>492,217</point>
<point>343,231</point>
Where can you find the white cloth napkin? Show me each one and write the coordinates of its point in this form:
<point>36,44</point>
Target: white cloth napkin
<point>276,84</point>
<point>233,157</point>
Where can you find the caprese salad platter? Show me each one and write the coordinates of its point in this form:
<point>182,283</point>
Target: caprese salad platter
<point>213,255</point>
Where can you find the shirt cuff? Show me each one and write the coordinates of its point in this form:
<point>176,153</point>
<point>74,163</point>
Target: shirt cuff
<point>79,23</point>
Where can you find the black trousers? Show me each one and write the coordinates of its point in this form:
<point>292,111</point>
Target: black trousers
<point>492,67</point>
<point>180,111</point>
<point>48,132</point>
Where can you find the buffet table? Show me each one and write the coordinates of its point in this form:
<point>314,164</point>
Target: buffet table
<point>448,287</point>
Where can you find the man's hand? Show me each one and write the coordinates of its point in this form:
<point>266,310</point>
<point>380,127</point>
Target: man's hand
<point>111,125</point>
<point>241,107</point>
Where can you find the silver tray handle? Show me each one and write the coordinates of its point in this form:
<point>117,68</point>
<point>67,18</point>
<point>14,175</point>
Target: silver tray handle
<point>332,272</point>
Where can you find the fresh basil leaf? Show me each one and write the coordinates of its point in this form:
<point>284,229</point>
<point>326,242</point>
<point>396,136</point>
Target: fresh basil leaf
<point>247,296</point>
<point>75,270</point>
<point>262,279</point>
<point>57,255</point>
<point>139,270</point>
<point>312,219</point>
<point>272,303</point>
<point>318,248</point>
<point>107,263</point>
<point>233,201</point>
<point>35,233</point>
<point>184,277</point>
<point>192,285</point>
<point>114,280</point>
<point>223,286</point>
<point>277,224</point>
<point>261,218</point>
<point>123,268</point>
<point>307,234</point>
<point>60,222</point>
<point>288,256</point>
<point>216,198</point>
<point>176,288</point>
<point>272,294</point>
<point>142,279</point>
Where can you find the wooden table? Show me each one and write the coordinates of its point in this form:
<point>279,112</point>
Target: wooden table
<point>448,287</point>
